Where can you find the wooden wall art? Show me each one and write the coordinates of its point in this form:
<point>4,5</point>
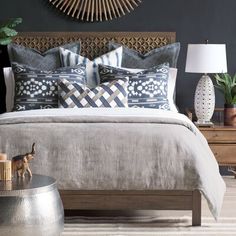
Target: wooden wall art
<point>95,10</point>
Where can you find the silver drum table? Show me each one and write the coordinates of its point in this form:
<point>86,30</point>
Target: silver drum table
<point>30,207</point>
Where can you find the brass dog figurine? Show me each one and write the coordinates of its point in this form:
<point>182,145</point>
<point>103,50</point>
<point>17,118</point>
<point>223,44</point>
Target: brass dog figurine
<point>20,164</point>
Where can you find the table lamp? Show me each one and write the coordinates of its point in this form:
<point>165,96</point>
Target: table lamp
<point>204,59</point>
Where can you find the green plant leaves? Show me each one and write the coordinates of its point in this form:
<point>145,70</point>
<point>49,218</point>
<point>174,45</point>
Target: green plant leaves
<point>5,41</point>
<point>227,85</point>
<point>13,22</point>
<point>7,31</point>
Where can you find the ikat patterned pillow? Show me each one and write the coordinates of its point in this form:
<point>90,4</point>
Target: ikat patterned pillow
<point>37,89</point>
<point>110,94</point>
<point>147,88</point>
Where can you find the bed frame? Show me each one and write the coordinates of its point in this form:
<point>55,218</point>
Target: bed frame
<point>92,45</point>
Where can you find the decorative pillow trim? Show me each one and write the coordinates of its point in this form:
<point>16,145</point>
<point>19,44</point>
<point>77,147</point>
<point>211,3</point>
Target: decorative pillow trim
<point>109,94</point>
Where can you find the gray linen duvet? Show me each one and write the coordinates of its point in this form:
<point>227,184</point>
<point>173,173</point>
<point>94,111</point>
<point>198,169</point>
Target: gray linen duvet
<point>115,149</point>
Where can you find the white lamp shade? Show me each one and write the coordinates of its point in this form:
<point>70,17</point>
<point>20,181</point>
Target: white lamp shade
<point>206,58</point>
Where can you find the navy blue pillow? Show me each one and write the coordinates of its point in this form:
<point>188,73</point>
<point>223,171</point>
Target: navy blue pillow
<point>38,89</point>
<point>133,59</point>
<point>147,88</point>
<point>49,60</point>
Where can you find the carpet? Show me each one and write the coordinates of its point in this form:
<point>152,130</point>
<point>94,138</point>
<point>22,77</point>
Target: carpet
<point>150,223</point>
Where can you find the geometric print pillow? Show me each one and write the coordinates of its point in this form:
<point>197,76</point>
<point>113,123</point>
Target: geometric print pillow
<point>37,89</point>
<point>110,94</point>
<point>112,58</point>
<point>147,88</point>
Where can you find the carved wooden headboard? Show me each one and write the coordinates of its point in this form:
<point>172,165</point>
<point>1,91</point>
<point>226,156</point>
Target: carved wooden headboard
<point>95,43</point>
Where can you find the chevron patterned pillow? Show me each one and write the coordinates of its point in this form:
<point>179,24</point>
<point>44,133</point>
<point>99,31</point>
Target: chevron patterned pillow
<point>109,94</point>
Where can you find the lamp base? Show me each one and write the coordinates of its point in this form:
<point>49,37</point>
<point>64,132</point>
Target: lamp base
<point>204,100</point>
<point>204,124</point>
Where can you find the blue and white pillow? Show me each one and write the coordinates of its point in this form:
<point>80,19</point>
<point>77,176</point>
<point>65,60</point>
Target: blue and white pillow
<point>38,89</point>
<point>110,94</point>
<point>147,88</point>
<point>113,58</point>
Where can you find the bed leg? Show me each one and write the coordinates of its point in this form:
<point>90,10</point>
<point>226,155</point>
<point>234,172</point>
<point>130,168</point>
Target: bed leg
<point>196,208</point>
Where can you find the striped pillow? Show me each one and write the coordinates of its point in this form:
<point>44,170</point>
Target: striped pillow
<point>110,94</point>
<point>113,58</point>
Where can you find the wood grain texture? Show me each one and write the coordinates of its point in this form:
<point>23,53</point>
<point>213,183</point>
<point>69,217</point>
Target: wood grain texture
<point>196,208</point>
<point>223,135</point>
<point>114,200</point>
<point>135,200</point>
<point>222,141</point>
<point>5,170</point>
<point>225,154</point>
<point>94,44</point>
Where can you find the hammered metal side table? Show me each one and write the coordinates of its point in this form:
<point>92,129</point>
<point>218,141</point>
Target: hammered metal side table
<point>30,207</point>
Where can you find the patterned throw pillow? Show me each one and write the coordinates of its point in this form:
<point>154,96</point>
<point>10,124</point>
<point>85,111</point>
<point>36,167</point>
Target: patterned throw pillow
<point>109,94</point>
<point>36,89</point>
<point>147,88</point>
<point>112,58</point>
<point>49,60</point>
<point>133,59</point>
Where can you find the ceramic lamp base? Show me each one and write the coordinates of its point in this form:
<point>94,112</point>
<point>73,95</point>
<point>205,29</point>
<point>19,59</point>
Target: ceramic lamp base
<point>205,124</point>
<point>204,100</point>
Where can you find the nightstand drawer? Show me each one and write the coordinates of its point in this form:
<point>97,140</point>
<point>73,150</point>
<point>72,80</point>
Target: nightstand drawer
<point>225,154</point>
<point>220,136</point>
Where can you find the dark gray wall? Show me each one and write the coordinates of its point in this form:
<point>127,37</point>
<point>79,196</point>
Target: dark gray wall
<point>192,20</point>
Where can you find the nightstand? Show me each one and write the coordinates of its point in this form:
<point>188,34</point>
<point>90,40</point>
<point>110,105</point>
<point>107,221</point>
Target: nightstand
<point>222,141</point>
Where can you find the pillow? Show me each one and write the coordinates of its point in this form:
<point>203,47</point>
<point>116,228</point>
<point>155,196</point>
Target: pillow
<point>36,89</point>
<point>112,58</point>
<point>49,60</point>
<point>109,94</point>
<point>134,59</point>
<point>147,88</point>
<point>171,94</point>
<point>10,87</point>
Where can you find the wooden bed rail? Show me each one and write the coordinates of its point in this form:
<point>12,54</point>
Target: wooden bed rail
<point>135,200</point>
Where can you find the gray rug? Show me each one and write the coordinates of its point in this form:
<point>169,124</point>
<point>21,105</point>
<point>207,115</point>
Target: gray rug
<point>150,223</point>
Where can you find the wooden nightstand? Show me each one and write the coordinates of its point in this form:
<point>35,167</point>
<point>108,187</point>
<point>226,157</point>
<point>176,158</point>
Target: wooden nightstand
<point>222,141</point>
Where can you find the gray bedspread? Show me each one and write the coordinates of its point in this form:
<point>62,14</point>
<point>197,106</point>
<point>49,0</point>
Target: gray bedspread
<point>115,149</point>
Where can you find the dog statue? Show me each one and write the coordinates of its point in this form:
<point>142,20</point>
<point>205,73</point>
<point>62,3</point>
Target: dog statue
<point>20,164</point>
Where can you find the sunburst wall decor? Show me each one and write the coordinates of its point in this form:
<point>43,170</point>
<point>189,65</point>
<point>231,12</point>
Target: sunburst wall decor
<point>95,10</point>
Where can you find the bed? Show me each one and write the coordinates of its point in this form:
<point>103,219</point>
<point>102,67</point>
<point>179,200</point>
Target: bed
<point>116,158</point>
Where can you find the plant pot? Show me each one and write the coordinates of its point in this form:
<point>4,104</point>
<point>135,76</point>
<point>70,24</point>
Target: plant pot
<point>230,115</point>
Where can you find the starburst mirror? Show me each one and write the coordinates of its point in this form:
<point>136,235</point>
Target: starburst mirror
<point>95,10</point>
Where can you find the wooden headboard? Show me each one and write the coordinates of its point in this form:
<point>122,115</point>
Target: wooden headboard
<point>96,43</point>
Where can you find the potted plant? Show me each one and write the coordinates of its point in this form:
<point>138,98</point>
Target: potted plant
<point>7,32</point>
<point>227,85</point>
